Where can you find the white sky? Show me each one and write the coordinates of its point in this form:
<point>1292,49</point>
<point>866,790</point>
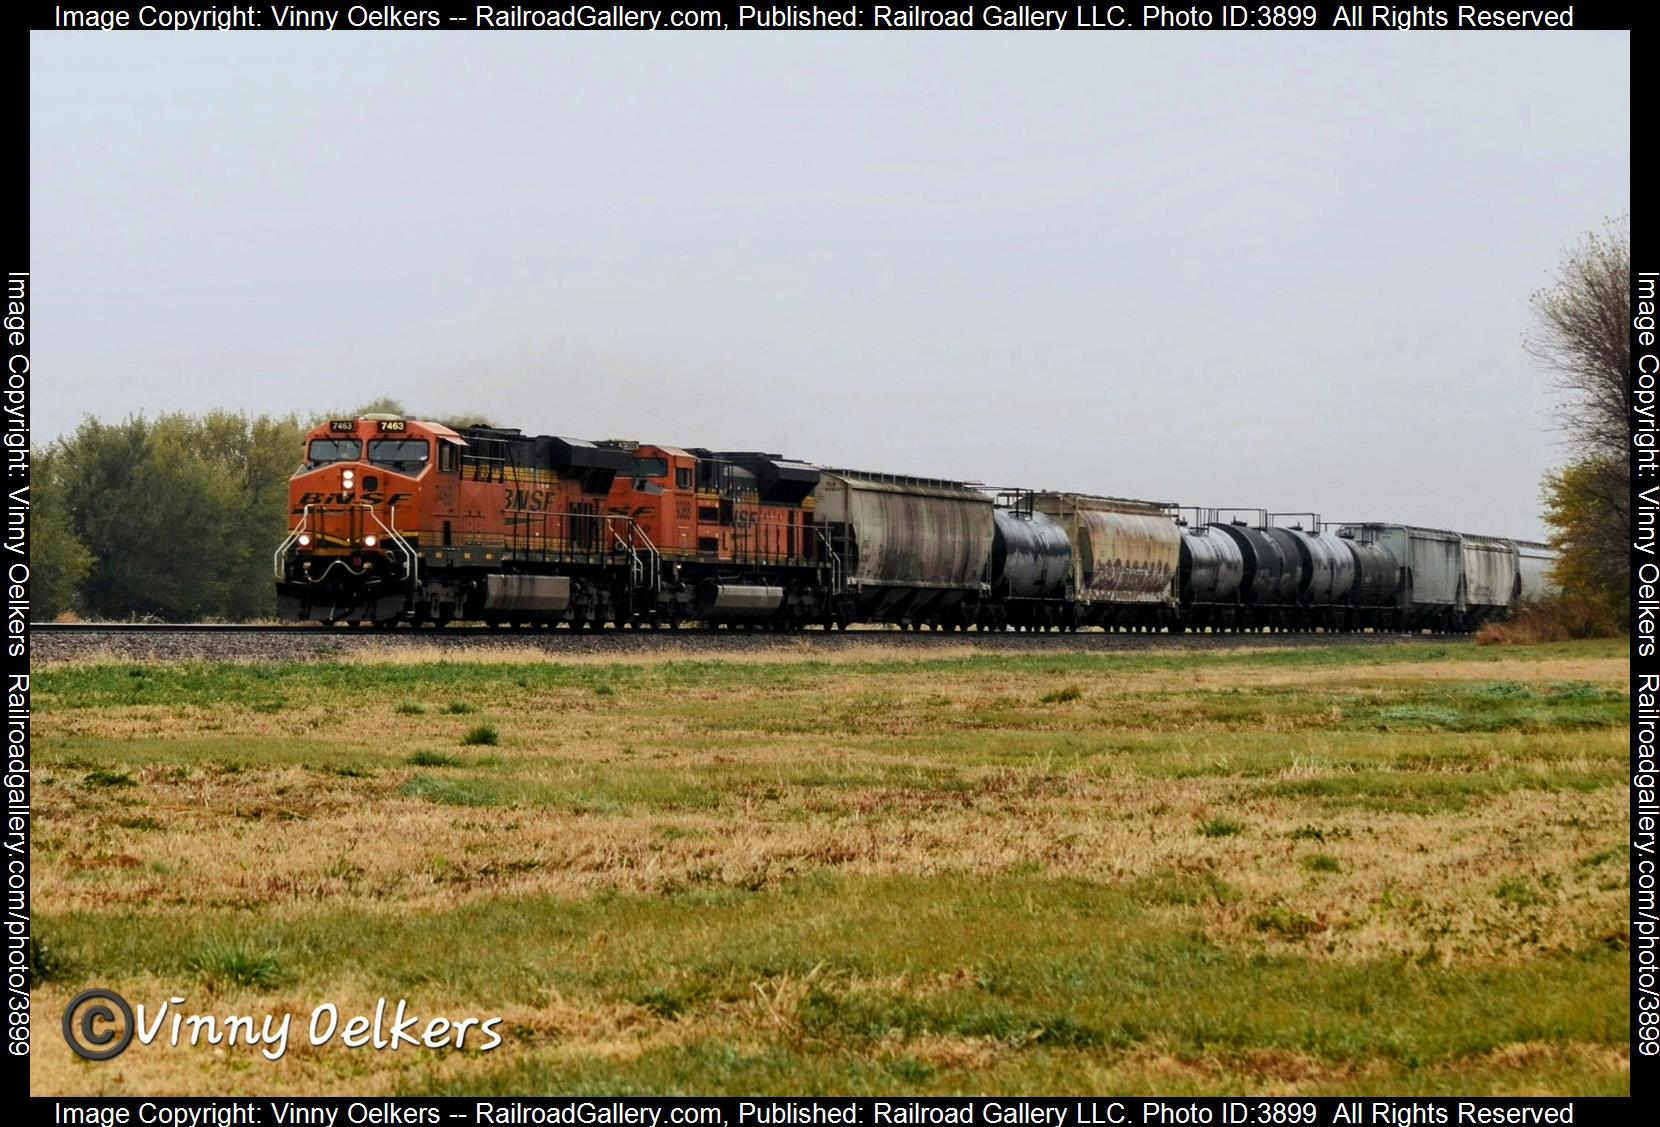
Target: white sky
<point>1287,271</point>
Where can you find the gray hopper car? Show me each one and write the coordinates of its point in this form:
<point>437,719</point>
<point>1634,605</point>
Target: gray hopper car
<point>908,550</point>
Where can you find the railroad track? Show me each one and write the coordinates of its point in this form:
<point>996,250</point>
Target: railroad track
<point>317,629</point>
<point>885,632</point>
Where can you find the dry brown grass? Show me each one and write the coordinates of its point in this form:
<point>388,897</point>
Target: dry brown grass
<point>1559,618</point>
<point>292,837</point>
<point>559,1032</point>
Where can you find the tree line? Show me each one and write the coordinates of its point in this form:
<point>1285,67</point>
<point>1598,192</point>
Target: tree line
<point>174,517</point>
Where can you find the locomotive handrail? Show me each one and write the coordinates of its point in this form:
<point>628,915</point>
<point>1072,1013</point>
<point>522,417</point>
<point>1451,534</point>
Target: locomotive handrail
<point>633,556</point>
<point>282,549</point>
<point>412,562</point>
<point>410,558</point>
<point>637,570</point>
<point>652,555</point>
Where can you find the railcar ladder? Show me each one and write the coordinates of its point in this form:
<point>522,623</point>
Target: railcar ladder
<point>837,577</point>
<point>644,567</point>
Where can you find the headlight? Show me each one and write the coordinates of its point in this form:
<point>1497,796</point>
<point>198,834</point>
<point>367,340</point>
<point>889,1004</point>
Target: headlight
<point>305,539</point>
<point>371,540</point>
<point>346,479</point>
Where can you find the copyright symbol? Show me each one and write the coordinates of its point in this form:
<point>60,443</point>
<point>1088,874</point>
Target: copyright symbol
<point>90,1026</point>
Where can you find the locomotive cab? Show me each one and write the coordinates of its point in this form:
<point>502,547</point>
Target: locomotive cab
<point>355,509</point>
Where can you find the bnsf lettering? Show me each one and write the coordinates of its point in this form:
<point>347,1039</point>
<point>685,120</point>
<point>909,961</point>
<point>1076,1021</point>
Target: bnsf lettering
<point>377,498</point>
<point>526,500</point>
<point>370,498</point>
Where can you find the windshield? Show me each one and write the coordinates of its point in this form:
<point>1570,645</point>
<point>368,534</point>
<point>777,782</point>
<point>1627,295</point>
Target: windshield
<point>326,450</point>
<point>400,455</point>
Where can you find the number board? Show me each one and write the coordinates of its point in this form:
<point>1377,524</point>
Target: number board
<point>387,425</point>
<point>347,425</point>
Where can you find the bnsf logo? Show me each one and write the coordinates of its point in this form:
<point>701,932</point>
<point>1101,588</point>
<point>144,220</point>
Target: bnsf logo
<point>527,500</point>
<point>373,497</point>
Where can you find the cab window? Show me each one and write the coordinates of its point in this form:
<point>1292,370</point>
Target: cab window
<point>446,457</point>
<point>400,455</point>
<point>651,467</point>
<point>326,450</point>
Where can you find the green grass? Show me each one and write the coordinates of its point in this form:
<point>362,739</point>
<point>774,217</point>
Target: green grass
<point>216,685</point>
<point>1394,869</point>
<point>453,792</point>
<point>433,759</point>
<point>103,778</point>
<point>227,964</point>
<point>482,735</point>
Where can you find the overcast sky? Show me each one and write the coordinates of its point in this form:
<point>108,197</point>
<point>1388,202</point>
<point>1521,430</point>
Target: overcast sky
<point>1287,271</point>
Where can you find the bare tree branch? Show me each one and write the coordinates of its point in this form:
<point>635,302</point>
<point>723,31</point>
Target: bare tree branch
<point>1582,326</point>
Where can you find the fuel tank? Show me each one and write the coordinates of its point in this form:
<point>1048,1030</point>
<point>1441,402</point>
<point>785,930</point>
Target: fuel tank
<point>527,594</point>
<point>731,601</point>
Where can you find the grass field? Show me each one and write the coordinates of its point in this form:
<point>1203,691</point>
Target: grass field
<point>1386,869</point>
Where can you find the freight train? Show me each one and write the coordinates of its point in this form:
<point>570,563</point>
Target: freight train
<point>396,520</point>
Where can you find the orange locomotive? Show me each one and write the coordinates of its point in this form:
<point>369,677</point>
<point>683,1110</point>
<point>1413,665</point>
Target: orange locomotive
<point>396,520</point>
